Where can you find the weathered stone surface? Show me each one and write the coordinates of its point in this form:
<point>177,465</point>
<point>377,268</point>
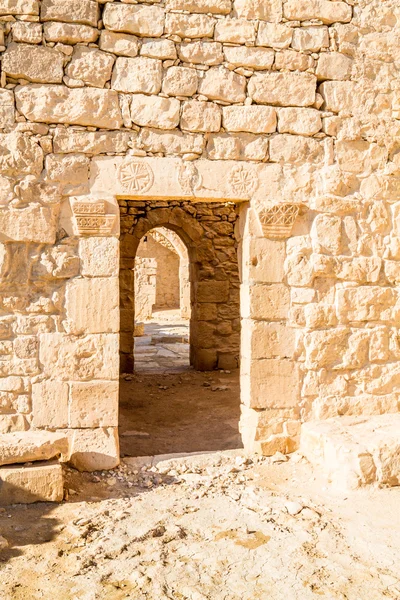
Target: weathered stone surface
<point>200,116</point>
<point>31,446</point>
<point>75,11</point>
<point>189,26</point>
<point>276,35</point>
<point>218,7</point>
<point>339,95</point>
<point>91,142</point>
<point>121,44</point>
<point>33,223</point>
<point>180,81</point>
<point>70,171</point>
<point>290,60</point>
<point>239,146</point>
<point>264,260</point>
<point>259,300</point>
<point>235,31</point>
<point>19,7</point>
<point>91,66</point>
<point>69,33</point>
<point>261,339</point>
<point>7,110</point>
<point>283,89</point>
<point>19,155</point>
<point>221,84</point>
<point>295,149</point>
<point>367,303</point>
<point>30,33</point>
<point>265,10</point>
<point>99,256</point>
<point>171,142</point>
<point>135,75</point>
<point>95,449</point>
<point>254,119</point>
<point>38,64</point>
<point>310,39</point>
<point>58,104</point>
<point>254,58</point>
<point>153,111</point>
<point>299,121</point>
<point>158,48</point>
<point>93,404</point>
<point>334,65</point>
<point>271,383</point>
<point>324,10</point>
<point>41,482</point>
<point>81,319</point>
<point>142,20</point>
<point>206,53</point>
<point>50,405</point>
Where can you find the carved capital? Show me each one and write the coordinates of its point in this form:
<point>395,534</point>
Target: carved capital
<point>277,220</point>
<point>91,218</point>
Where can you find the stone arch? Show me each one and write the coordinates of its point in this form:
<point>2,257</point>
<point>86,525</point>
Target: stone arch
<point>210,345</point>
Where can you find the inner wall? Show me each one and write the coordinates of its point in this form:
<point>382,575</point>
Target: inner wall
<point>208,231</point>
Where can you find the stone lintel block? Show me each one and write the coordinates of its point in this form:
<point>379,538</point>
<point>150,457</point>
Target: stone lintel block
<point>41,482</point>
<point>261,302</point>
<point>29,446</point>
<point>95,449</point>
<point>85,316</point>
<point>93,404</point>
<point>50,404</point>
<point>271,383</point>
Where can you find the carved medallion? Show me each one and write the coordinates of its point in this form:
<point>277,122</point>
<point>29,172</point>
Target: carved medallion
<point>91,218</point>
<point>277,221</point>
<point>135,177</point>
<point>243,181</point>
<point>189,178</point>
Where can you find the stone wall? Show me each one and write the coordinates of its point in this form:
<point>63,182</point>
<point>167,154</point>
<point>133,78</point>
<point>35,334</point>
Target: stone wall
<point>275,103</point>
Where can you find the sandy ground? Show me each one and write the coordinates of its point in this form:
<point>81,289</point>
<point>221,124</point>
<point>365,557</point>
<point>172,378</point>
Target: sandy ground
<point>212,526</point>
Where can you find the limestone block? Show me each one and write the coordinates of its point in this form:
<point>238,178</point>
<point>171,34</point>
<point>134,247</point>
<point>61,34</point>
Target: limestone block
<point>189,26</point>
<point>93,404</point>
<point>294,149</point>
<point>339,96</point>
<point>57,262</point>
<point>42,482</point>
<point>69,33</point>
<point>12,384</point>
<point>19,7</point>
<point>99,256</point>
<point>217,7</point>
<point>358,156</point>
<point>31,446</point>
<point>200,116</point>
<point>290,60</point>
<point>265,10</point>
<point>30,33</point>
<point>66,141</point>
<point>260,301</point>
<point>258,59</point>
<point>70,171</point>
<point>310,39</point>
<point>370,303</point>
<point>261,339</point>
<point>81,315</point>
<point>91,66</point>
<point>180,81</point>
<point>75,11</point>
<point>299,121</point>
<point>121,44</point>
<point>276,35</point>
<point>140,74</point>
<point>7,110</point>
<point>264,260</point>
<point>158,48</point>
<point>35,63</point>
<point>153,111</point>
<point>50,404</point>
<point>142,20</point>
<point>202,53</point>
<point>326,11</point>
<point>221,84</point>
<point>334,65</point>
<point>271,383</point>
<point>95,449</point>
<point>19,155</point>
<point>212,291</point>
<point>283,89</point>
<point>240,146</point>
<point>361,269</point>
<point>66,357</point>
<point>235,31</point>
<point>254,119</point>
<point>171,142</point>
<point>326,234</point>
<point>33,223</point>
<point>59,104</point>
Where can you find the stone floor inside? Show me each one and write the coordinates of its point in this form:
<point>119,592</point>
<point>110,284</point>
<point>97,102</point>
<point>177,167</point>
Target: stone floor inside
<point>168,407</point>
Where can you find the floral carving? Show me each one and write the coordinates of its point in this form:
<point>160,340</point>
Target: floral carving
<point>189,178</point>
<point>91,218</point>
<point>136,177</point>
<point>243,181</point>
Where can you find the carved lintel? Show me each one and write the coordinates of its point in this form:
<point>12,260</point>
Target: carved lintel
<point>277,221</point>
<point>91,218</point>
<point>136,177</point>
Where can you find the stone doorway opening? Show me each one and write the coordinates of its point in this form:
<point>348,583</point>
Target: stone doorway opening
<point>180,327</point>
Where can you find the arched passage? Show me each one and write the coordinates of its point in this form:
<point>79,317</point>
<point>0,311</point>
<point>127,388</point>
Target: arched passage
<point>213,274</point>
